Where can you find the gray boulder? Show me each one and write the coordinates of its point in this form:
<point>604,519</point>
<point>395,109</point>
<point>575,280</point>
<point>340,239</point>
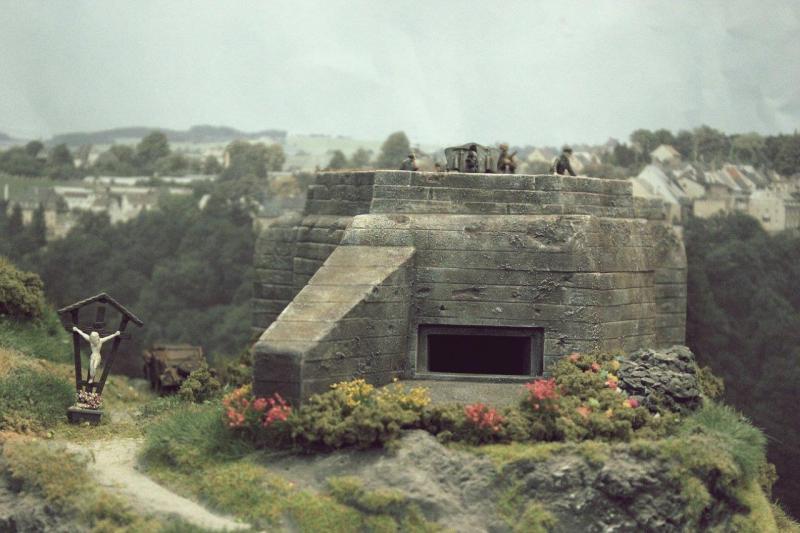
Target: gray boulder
<point>661,379</point>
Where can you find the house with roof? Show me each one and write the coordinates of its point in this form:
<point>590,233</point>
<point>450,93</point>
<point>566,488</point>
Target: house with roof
<point>652,181</point>
<point>665,154</point>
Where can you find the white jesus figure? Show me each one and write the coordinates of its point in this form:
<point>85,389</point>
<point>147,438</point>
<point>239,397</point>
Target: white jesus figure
<point>95,342</point>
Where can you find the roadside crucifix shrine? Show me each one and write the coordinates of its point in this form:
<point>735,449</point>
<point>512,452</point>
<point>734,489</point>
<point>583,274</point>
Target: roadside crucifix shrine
<point>95,333</point>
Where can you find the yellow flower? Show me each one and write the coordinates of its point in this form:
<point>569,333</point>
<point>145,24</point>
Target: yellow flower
<point>355,391</point>
<point>615,364</point>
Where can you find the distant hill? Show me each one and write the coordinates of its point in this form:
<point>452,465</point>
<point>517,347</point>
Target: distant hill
<point>199,134</point>
<point>4,137</point>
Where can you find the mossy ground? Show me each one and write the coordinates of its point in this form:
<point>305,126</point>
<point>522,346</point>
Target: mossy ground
<point>193,453</point>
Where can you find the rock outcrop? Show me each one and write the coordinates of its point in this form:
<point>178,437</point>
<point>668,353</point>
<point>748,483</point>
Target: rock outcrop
<point>662,379</point>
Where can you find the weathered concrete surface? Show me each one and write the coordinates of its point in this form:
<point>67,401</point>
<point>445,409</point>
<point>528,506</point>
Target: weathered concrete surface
<point>349,321</point>
<point>577,256</point>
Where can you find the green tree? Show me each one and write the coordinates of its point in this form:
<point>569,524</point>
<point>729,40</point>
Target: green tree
<point>245,159</point>
<point>711,146</point>
<point>38,227</point>
<point>337,161</point>
<point>60,164</point>
<point>646,141</point>
<point>33,148</point>
<point>684,143</point>
<point>275,158</point>
<point>118,160</point>
<point>393,151</point>
<point>18,161</point>
<point>748,148</point>
<point>172,165</point>
<point>623,156</point>
<point>211,166</point>
<point>743,320</point>
<point>361,158</point>
<point>14,226</point>
<point>664,136</point>
<point>150,149</point>
<point>783,153</point>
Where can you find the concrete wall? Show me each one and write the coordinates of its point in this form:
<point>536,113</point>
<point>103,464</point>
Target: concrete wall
<point>575,256</point>
<point>351,320</point>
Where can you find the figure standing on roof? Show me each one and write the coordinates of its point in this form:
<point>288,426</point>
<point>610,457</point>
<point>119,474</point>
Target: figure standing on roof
<point>410,162</point>
<point>506,163</point>
<point>471,160</point>
<point>561,165</point>
<point>95,342</point>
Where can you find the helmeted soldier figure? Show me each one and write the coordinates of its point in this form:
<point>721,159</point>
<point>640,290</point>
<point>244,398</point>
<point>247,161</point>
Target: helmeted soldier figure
<point>505,162</point>
<point>471,160</point>
<point>561,165</point>
<point>410,162</point>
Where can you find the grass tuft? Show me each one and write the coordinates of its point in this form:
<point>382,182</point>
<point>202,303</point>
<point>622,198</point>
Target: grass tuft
<point>732,433</point>
<point>44,338</point>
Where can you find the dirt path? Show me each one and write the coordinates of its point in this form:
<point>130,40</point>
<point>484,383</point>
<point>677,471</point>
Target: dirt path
<point>114,467</point>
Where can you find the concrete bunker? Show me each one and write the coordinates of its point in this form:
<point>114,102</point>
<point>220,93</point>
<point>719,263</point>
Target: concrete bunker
<point>383,266</point>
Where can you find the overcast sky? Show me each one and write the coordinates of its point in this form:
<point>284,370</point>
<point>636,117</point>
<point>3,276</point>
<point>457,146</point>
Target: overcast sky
<point>445,72</point>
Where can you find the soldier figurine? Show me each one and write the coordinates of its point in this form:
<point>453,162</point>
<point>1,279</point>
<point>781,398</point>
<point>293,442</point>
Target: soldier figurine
<point>561,165</point>
<point>410,162</point>
<point>506,163</point>
<point>471,160</point>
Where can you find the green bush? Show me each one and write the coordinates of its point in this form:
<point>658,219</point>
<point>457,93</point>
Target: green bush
<point>733,435</point>
<point>21,293</point>
<point>200,386</point>
<point>33,399</point>
<point>711,386</point>
<point>329,421</point>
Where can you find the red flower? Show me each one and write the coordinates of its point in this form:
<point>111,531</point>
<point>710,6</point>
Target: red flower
<point>595,367</point>
<point>484,417</point>
<point>259,404</point>
<point>543,389</point>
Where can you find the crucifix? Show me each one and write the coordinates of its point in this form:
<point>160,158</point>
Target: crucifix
<point>96,334</point>
<point>96,343</point>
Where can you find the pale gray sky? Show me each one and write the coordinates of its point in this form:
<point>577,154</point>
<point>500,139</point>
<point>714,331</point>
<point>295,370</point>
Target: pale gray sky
<point>445,72</point>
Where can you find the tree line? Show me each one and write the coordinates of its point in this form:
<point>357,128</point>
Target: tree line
<point>153,155</point>
<point>708,146</point>
<point>185,270</point>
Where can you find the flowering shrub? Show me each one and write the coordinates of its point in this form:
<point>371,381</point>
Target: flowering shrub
<point>543,394</point>
<point>254,415</point>
<point>355,391</point>
<point>581,401</point>
<point>484,417</point>
<point>89,400</point>
<point>354,413</point>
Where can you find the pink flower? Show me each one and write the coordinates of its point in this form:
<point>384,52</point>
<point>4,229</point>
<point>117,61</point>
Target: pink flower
<point>574,357</point>
<point>632,402</point>
<point>583,411</point>
<point>259,404</point>
<point>543,389</point>
<point>595,367</point>
<point>484,417</point>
